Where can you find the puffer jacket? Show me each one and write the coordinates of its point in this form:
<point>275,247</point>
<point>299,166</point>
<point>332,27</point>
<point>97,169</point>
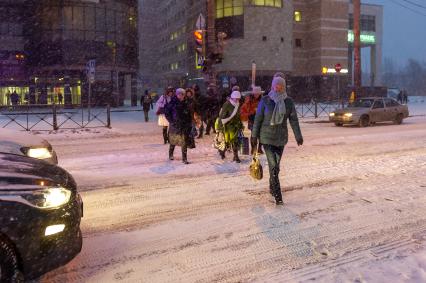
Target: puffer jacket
<point>276,135</point>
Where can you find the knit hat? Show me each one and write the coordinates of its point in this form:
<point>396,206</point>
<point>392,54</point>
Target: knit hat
<point>257,89</point>
<point>180,90</point>
<point>236,94</point>
<point>279,74</point>
<point>278,81</point>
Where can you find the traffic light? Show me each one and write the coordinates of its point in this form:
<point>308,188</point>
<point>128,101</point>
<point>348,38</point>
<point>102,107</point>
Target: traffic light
<point>200,45</point>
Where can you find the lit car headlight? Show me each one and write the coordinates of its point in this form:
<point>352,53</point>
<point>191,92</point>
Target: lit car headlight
<point>348,115</point>
<point>53,197</point>
<point>39,153</point>
<point>332,114</point>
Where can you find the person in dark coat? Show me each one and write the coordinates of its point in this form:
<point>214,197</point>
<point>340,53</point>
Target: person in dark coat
<point>146,103</point>
<point>180,124</point>
<point>270,127</point>
<point>14,97</point>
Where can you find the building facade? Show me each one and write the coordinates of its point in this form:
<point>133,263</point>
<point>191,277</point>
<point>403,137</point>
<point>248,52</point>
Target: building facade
<point>304,39</point>
<point>60,37</point>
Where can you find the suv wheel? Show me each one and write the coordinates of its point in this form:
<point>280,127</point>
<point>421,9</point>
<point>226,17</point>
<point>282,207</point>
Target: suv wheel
<point>364,121</point>
<point>398,119</point>
<point>9,267</point>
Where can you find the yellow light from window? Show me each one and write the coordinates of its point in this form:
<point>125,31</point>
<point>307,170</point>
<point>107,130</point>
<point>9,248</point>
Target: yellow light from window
<point>324,70</point>
<point>297,16</point>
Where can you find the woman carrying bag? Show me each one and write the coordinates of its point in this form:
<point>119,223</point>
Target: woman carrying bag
<point>229,123</point>
<point>161,104</point>
<point>270,127</point>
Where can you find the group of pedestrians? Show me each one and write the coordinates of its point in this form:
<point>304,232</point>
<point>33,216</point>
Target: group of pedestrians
<point>180,116</point>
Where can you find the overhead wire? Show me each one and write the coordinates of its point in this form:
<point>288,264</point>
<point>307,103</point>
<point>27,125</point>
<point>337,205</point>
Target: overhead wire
<point>415,4</point>
<point>409,8</point>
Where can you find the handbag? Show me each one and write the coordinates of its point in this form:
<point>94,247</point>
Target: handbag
<point>219,141</point>
<point>243,143</point>
<point>256,169</point>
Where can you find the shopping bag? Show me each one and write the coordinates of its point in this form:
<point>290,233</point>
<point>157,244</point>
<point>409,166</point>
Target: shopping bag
<point>256,169</point>
<point>219,141</point>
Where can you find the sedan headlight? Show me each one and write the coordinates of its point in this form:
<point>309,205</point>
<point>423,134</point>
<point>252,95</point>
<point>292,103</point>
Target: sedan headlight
<point>332,114</point>
<point>39,153</point>
<point>348,115</point>
<point>53,197</point>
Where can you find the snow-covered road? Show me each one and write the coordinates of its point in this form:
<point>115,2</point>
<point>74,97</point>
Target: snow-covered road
<point>354,208</point>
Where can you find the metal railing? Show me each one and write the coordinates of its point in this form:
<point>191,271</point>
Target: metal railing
<point>316,109</point>
<point>54,117</point>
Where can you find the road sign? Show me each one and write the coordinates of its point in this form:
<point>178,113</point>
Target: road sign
<point>91,70</point>
<point>201,22</point>
<point>338,67</point>
<point>200,60</point>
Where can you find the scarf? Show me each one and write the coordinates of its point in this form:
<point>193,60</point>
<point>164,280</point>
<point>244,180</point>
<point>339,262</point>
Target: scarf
<point>236,105</point>
<point>279,109</point>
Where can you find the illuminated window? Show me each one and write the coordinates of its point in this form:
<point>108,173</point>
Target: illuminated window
<point>229,8</point>
<point>269,3</point>
<point>297,16</point>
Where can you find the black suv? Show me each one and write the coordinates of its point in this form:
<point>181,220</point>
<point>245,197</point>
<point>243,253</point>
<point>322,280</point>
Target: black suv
<point>40,213</point>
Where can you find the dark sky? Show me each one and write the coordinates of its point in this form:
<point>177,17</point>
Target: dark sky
<point>404,30</point>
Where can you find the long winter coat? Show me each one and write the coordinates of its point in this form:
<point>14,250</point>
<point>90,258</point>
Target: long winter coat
<point>231,128</point>
<point>275,135</point>
<point>179,116</point>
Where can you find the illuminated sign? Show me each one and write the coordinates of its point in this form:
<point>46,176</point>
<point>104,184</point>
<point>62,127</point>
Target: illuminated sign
<point>326,70</point>
<point>365,38</point>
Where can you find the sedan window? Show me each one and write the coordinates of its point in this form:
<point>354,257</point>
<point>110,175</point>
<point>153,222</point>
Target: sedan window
<point>391,102</point>
<point>363,103</point>
<point>378,104</point>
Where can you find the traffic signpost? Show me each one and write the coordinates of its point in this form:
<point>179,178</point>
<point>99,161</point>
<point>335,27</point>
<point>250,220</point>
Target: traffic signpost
<point>90,72</point>
<point>338,68</point>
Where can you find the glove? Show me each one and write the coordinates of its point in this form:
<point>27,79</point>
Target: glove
<point>300,142</point>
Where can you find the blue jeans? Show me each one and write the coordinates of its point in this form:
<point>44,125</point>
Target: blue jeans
<point>274,154</point>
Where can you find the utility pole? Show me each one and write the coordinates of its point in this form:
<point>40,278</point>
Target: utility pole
<point>211,43</point>
<point>357,46</point>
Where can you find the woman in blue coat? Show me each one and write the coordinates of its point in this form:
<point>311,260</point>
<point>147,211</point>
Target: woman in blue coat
<point>270,126</point>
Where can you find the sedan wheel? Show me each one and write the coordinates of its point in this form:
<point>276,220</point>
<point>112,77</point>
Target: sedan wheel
<point>398,119</point>
<point>364,121</point>
<point>9,269</point>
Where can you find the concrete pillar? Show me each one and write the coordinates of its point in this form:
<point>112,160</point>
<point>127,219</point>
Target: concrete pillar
<point>373,65</point>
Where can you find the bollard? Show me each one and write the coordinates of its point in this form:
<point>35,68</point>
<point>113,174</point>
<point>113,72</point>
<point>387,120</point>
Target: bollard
<point>55,120</point>
<point>109,116</point>
<point>316,109</point>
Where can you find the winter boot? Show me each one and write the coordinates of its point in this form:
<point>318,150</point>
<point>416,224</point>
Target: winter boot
<point>222,154</point>
<point>201,132</point>
<point>171,150</point>
<point>165,135</point>
<point>184,156</point>
<point>276,187</point>
<point>236,158</point>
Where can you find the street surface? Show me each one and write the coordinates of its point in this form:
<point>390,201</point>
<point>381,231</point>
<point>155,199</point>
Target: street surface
<point>354,208</point>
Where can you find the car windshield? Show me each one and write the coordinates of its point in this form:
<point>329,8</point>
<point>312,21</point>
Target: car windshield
<point>363,103</point>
